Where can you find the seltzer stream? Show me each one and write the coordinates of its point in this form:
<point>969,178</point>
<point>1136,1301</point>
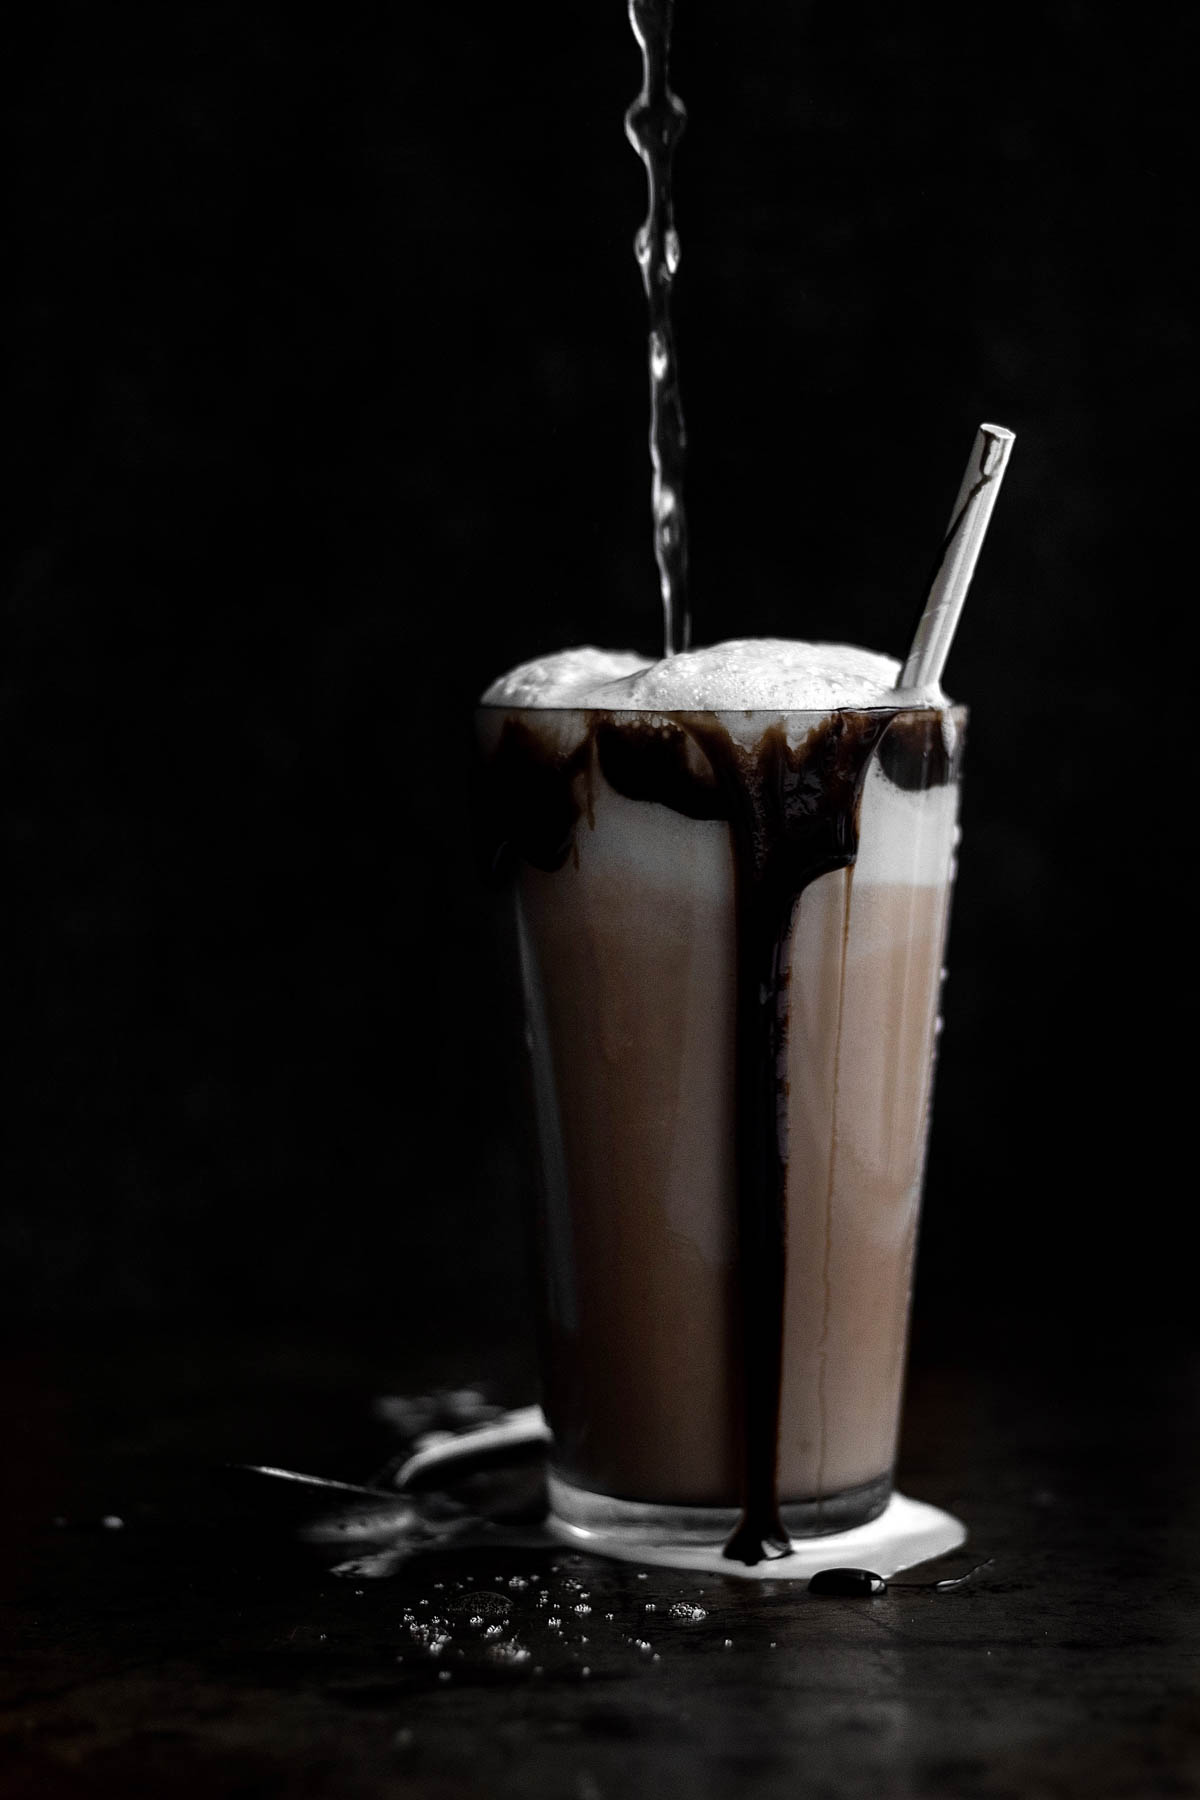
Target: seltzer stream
<point>654,125</point>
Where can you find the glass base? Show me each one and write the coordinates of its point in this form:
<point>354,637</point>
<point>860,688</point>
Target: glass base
<point>638,1522</point>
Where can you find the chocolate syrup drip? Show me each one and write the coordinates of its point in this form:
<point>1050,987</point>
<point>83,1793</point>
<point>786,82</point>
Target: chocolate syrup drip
<point>793,816</point>
<point>645,759</point>
<point>529,805</point>
<point>918,753</point>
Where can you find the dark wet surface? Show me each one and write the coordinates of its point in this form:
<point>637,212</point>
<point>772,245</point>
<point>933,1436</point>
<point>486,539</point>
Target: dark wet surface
<point>165,1630</point>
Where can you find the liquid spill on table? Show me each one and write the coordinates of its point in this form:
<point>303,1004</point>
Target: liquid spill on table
<point>461,1512</point>
<point>202,1649</point>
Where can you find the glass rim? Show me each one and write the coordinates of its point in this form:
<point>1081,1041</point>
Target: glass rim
<point>726,712</point>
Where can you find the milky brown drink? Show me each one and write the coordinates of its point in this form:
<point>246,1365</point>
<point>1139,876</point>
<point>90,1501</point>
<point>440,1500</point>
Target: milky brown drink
<point>732,871</point>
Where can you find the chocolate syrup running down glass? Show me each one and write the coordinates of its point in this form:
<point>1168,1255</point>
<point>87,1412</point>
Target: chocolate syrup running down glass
<point>793,816</point>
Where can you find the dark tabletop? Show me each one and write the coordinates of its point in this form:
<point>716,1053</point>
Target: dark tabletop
<point>167,1632</point>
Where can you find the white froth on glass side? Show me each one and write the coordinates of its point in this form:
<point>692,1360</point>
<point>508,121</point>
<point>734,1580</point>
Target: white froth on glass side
<point>759,674</point>
<point>904,837</point>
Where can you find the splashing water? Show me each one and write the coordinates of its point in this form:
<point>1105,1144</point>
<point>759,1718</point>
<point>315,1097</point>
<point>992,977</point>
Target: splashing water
<point>654,125</point>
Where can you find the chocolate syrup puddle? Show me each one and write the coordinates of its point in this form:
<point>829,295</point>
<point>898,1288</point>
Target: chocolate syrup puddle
<point>793,815</point>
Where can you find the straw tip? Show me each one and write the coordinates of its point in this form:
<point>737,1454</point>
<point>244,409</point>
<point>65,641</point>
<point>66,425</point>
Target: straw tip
<point>1000,432</point>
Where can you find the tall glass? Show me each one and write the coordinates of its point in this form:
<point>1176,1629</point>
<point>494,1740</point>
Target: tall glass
<point>731,932</point>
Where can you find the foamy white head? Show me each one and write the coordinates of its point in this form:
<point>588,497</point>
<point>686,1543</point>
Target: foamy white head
<point>746,674</point>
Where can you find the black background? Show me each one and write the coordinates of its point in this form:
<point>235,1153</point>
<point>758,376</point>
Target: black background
<point>330,404</point>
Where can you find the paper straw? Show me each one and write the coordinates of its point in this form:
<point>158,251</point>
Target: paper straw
<point>959,554</point>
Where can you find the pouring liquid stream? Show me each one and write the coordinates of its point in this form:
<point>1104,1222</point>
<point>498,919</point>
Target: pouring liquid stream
<point>654,125</point>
